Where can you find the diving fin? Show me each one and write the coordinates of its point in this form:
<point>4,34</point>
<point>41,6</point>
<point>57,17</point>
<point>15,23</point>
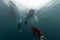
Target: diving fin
<point>20,30</point>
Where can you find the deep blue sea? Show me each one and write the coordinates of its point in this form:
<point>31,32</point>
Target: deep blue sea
<point>50,26</point>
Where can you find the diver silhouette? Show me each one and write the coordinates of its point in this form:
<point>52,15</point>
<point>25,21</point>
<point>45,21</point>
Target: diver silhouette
<point>40,35</point>
<point>29,16</point>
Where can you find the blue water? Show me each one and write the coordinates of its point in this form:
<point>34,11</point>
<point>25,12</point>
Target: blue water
<point>8,24</point>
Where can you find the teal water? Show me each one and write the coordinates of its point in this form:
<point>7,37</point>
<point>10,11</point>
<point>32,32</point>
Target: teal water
<point>8,24</point>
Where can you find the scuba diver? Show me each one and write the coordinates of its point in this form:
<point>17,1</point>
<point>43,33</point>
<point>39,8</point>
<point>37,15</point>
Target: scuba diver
<point>29,16</point>
<point>39,33</point>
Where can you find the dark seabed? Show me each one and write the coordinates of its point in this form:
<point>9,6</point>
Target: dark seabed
<point>8,24</point>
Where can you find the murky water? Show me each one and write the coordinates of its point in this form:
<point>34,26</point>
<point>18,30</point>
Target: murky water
<point>50,26</point>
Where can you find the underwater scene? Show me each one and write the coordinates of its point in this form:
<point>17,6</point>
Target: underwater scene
<point>18,22</point>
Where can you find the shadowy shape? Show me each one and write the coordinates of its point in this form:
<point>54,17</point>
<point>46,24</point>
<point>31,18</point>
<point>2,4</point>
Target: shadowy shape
<point>29,16</point>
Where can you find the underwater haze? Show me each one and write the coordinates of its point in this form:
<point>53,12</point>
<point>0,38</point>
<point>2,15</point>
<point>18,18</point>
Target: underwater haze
<point>49,23</point>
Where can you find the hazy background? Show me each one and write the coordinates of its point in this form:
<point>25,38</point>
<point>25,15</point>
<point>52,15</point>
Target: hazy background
<point>49,22</point>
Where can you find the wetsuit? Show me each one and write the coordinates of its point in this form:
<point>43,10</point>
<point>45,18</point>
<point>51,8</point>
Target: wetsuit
<point>39,33</point>
<point>37,30</point>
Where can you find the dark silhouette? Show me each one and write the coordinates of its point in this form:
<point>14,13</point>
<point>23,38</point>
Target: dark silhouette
<point>29,15</point>
<point>39,33</point>
<point>19,27</point>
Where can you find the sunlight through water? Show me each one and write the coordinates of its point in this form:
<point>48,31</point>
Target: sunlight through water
<point>31,4</point>
<point>34,4</point>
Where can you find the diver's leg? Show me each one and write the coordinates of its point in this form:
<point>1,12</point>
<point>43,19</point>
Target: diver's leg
<point>20,30</point>
<point>19,27</point>
<point>43,38</point>
<point>26,22</point>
